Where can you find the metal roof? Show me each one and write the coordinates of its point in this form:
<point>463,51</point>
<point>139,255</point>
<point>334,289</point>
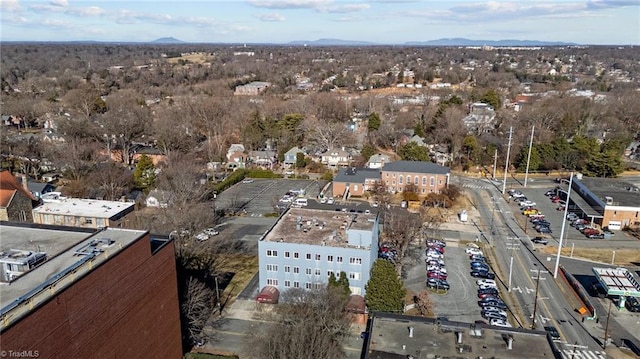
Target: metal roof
<point>618,281</point>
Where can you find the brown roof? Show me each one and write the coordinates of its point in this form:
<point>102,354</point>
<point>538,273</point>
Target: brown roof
<point>9,185</point>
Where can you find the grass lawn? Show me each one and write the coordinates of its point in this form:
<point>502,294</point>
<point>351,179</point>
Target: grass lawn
<point>244,268</point>
<point>623,257</point>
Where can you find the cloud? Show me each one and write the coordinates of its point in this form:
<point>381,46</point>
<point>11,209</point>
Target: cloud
<point>61,3</point>
<point>10,6</point>
<point>290,4</point>
<point>271,17</point>
<point>345,8</point>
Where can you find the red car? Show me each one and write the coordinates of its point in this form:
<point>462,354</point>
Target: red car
<point>437,275</point>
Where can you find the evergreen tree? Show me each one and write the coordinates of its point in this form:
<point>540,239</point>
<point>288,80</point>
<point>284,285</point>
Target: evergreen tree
<point>385,291</point>
<point>367,151</point>
<point>343,284</point>
<point>374,122</point>
<point>413,152</point>
<point>144,175</point>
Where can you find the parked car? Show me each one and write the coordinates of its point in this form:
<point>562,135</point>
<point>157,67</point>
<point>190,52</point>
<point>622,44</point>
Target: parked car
<point>437,275</point>
<point>500,323</point>
<point>247,180</point>
<point>434,261</point>
<point>437,268</point>
<point>489,290</point>
<point>632,304</point>
<point>596,236</point>
<point>434,254</point>
<point>494,310</point>
<point>438,284</point>
<point>477,258</point>
<point>471,251</point>
<point>544,230</point>
<point>475,264</point>
<point>485,286</point>
<point>492,300</point>
<point>437,249</point>
<point>488,295</point>
<point>493,303</point>
<point>482,274</point>
<point>490,282</point>
<point>553,332</point>
<point>550,193</point>
<point>436,241</point>
<point>492,315</point>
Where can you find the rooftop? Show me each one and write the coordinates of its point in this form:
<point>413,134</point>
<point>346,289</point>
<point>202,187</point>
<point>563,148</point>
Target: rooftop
<point>68,251</point>
<point>318,226</point>
<point>390,339</point>
<point>356,175</point>
<point>81,207</point>
<point>623,193</point>
<point>415,167</point>
<point>617,281</point>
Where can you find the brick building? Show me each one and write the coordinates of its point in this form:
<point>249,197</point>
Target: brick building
<point>16,202</point>
<point>427,177</point>
<point>90,294</point>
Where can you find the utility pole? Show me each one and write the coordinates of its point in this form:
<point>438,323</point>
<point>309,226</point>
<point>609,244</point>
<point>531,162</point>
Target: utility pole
<point>564,223</point>
<point>495,163</point>
<point>526,173</point>
<point>506,164</point>
<point>513,245</point>
<point>535,302</point>
<point>493,215</point>
<point>606,328</point>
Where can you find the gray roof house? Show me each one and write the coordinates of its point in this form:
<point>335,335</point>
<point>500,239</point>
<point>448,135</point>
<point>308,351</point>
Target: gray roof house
<point>378,160</point>
<point>290,156</point>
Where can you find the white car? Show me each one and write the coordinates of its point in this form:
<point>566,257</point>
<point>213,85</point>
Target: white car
<point>500,323</point>
<point>247,180</point>
<point>374,204</point>
<point>528,204</point>
<point>472,251</point>
<point>437,268</point>
<point>323,200</point>
<point>211,232</point>
<point>486,282</point>
<point>202,237</point>
<point>330,200</point>
<point>434,254</point>
<point>495,310</point>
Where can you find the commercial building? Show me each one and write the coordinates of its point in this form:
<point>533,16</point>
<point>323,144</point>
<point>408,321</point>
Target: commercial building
<point>80,212</point>
<point>400,336</point>
<point>80,293</point>
<point>611,203</point>
<point>305,246</point>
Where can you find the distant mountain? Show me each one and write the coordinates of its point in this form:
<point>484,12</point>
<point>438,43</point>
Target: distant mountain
<point>468,42</point>
<point>167,40</point>
<point>331,42</point>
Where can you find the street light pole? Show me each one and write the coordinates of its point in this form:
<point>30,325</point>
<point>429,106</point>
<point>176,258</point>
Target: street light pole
<point>535,302</point>
<point>526,173</point>
<point>506,165</point>
<point>564,222</point>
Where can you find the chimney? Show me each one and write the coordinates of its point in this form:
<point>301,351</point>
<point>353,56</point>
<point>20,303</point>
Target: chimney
<point>459,336</point>
<point>410,332</point>
<point>24,182</point>
<point>510,342</point>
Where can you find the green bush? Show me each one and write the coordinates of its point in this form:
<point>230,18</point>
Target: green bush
<point>327,176</point>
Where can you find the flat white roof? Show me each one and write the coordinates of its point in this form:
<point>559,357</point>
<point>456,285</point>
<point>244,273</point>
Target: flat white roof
<point>84,207</point>
<point>618,280</point>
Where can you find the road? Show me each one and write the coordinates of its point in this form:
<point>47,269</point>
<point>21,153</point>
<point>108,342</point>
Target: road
<point>506,240</point>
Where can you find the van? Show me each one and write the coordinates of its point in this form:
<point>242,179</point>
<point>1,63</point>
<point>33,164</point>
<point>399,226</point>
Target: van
<point>302,202</point>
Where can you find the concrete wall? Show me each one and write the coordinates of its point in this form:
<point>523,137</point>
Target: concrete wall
<point>126,308</point>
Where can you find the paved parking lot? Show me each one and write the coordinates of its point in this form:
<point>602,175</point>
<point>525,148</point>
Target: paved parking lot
<point>261,196</point>
<point>461,301</point>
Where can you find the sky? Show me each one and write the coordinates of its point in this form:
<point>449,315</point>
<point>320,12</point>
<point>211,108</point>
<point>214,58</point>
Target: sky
<point>594,22</point>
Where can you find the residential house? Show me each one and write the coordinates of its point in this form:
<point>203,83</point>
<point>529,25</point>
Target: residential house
<point>305,246</point>
<point>37,189</point>
<point>418,141</point>
<point>377,160</point>
<point>266,159</point>
<point>252,88</point>
<point>80,212</point>
<point>427,177</point>
<point>16,201</point>
<point>481,118</point>
<point>158,199</point>
<point>336,157</point>
<point>80,293</point>
<point>236,156</point>
<point>291,155</point>
<point>354,181</point>
<point>157,156</point>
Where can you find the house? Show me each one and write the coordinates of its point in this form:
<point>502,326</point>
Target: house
<point>157,156</point>
<point>16,201</point>
<point>377,160</point>
<point>265,159</point>
<point>418,141</point>
<point>251,89</point>
<point>305,246</point>
<point>425,177</point>
<point>236,156</point>
<point>158,199</point>
<point>480,119</point>
<point>291,156</point>
<point>336,157</point>
<point>76,293</point>
<point>354,181</point>
<point>80,212</point>
<point>37,189</point>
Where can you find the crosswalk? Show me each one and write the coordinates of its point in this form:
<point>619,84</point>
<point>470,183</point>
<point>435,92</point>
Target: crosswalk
<point>583,354</point>
<point>477,186</point>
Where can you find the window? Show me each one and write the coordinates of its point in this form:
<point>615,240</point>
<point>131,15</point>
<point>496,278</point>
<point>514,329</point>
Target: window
<point>355,187</point>
<point>339,259</point>
<point>423,190</point>
<point>433,181</point>
<point>416,181</point>
<point>318,285</point>
<point>318,257</point>
<point>287,254</point>
<point>271,281</point>
<point>424,180</point>
<point>408,179</point>
<point>439,181</point>
<point>318,272</point>
<point>329,258</point>
<point>287,283</point>
<point>296,255</point>
<point>354,275</point>
<point>355,260</point>
<point>387,174</point>
<point>88,221</point>
<point>296,270</point>
<point>308,256</point>
<point>308,271</point>
<point>287,269</point>
<point>307,285</point>
<point>272,253</point>
<point>400,179</point>
<point>355,290</point>
<point>272,267</point>
<point>296,284</point>
<point>386,182</point>
<point>329,273</point>
<point>393,183</point>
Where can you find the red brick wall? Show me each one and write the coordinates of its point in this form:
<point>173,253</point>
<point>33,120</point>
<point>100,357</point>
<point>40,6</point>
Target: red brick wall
<point>125,308</point>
